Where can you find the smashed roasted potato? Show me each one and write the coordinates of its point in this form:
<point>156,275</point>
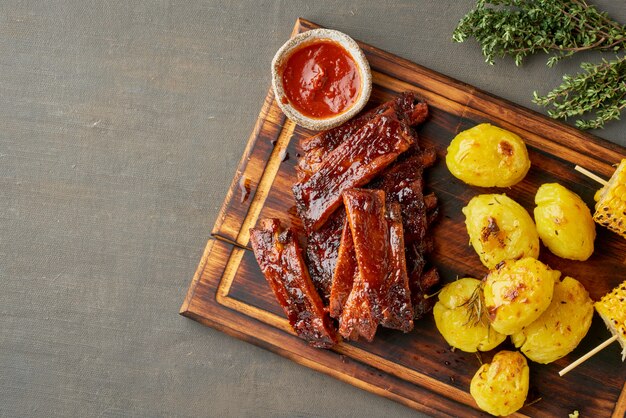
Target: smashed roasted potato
<point>564,222</point>
<point>500,229</point>
<point>488,156</point>
<point>500,388</point>
<point>561,327</point>
<point>460,319</point>
<point>516,293</point>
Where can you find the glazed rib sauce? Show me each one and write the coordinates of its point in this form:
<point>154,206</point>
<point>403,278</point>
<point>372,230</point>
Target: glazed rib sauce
<point>321,79</point>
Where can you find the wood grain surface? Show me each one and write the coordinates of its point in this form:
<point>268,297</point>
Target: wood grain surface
<point>417,369</point>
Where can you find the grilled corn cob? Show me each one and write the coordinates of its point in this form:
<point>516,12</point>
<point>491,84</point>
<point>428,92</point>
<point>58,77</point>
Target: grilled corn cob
<point>612,310</point>
<point>611,202</point>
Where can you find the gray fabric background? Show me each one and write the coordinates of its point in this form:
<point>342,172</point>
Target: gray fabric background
<point>121,124</point>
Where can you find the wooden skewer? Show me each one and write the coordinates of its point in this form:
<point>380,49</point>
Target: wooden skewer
<point>591,175</point>
<point>588,355</point>
<point>614,337</point>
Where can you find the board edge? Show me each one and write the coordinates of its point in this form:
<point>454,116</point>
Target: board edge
<point>243,163</point>
<point>184,308</point>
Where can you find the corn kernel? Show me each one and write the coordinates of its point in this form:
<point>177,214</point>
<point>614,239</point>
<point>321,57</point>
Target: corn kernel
<point>611,202</point>
<point>612,310</point>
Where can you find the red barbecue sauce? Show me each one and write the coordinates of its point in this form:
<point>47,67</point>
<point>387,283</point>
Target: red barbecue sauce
<point>321,79</point>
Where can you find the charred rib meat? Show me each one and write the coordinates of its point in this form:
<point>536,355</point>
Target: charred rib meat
<point>406,107</point>
<point>280,258</point>
<point>398,308</point>
<point>352,164</point>
<point>322,252</point>
<point>365,211</point>
<point>345,272</point>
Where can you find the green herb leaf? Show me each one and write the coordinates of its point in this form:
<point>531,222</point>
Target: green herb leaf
<point>519,28</point>
<point>598,92</point>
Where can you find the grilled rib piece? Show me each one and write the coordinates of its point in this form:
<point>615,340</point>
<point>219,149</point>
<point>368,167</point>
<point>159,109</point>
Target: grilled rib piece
<point>279,255</point>
<point>315,148</point>
<point>362,312</point>
<point>352,164</point>
<point>345,271</point>
<point>398,308</point>
<point>357,317</point>
<point>322,252</point>
<point>403,183</point>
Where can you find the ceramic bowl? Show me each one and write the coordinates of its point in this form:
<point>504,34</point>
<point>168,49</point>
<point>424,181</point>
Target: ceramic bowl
<point>306,38</point>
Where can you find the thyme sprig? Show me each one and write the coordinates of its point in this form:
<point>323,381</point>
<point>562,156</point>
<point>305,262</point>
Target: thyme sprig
<point>600,90</point>
<point>519,28</point>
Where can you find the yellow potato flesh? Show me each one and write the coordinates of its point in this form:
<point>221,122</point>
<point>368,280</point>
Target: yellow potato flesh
<point>488,156</point>
<point>455,322</point>
<point>564,222</point>
<point>500,388</point>
<point>517,292</point>
<point>500,229</point>
<point>561,327</point>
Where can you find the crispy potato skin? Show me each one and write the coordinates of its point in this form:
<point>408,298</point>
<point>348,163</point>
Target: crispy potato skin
<point>488,156</point>
<point>500,229</point>
<point>452,317</point>
<point>517,292</point>
<point>564,222</point>
<point>561,327</point>
<point>500,388</point>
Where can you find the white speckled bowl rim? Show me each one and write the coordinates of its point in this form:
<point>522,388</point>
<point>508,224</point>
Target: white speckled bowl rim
<point>302,39</point>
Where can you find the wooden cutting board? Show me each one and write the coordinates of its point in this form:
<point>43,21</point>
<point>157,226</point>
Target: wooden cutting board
<point>418,369</point>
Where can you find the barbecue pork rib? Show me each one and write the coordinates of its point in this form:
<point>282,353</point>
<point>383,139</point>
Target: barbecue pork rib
<point>322,253</point>
<point>366,213</point>
<point>403,182</point>
<point>406,107</point>
<point>279,255</point>
<point>362,311</point>
<point>398,307</point>
<point>345,272</point>
<point>353,163</point>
